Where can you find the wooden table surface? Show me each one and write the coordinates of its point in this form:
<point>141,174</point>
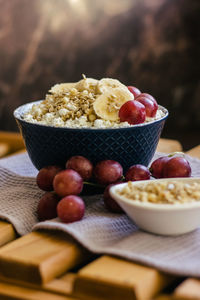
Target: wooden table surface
<point>43,265</point>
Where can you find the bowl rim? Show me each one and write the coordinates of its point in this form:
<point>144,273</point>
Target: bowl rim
<point>19,117</point>
<point>154,206</point>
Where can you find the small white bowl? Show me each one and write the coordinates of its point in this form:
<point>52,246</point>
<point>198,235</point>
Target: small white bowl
<point>163,219</point>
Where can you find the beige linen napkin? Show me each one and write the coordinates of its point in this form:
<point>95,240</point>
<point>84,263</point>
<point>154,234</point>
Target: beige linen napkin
<point>99,231</point>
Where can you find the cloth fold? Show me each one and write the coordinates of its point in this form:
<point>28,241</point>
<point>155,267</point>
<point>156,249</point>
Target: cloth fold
<point>99,231</point>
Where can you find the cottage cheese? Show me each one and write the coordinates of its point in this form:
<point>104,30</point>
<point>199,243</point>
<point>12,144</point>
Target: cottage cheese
<point>72,105</point>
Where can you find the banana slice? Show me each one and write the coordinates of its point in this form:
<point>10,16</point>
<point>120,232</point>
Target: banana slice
<point>106,84</point>
<point>88,84</point>
<point>107,105</point>
<point>62,88</point>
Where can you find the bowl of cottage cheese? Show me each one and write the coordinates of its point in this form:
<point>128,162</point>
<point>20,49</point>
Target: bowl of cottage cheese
<point>82,118</point>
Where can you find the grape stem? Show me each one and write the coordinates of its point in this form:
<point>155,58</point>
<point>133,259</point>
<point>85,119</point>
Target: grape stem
<point>93,184</point>
<point>176,152</point>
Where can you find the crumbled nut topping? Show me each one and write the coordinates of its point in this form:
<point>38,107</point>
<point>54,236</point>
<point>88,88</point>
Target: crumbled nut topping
<point>172,192</point>
<point>70,105</point>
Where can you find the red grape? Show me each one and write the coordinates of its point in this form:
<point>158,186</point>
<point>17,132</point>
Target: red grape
<point>132,112</point>
<point>157,166</point>
<point>135,91</point>
<point>150,106</point>
<point>177,167</point>
<point>71,209</point>
<point>45,177</point>
<point>137,172</point>
<point>108,171</point>
<point>147,96</point>
<point>47,206</point>
<point>109,202</point>
<point>68,182</point>
<point>81,165</point>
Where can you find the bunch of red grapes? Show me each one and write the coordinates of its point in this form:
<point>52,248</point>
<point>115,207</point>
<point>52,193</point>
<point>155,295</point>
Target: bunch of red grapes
<point>63,186</point>
<point>135,111</point>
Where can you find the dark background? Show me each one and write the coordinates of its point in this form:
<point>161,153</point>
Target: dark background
<point>152,44</point>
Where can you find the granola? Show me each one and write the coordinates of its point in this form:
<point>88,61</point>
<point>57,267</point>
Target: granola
<point>171,192</point>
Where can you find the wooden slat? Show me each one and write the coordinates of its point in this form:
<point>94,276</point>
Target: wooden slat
<point>113,278</point>
<point>39,257</point>
<point>164,297</point>
<point>169,146</point>
<point>7,233</point>
<point>194,151</point>
<point>188,289</point>
<point>4,149</point>
<point>61,286</point>
<point>11,291</point>
<point>13,139</point>
<point>18,152</point>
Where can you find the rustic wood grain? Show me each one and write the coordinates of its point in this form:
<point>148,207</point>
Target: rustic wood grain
<point>38,257</point>
<point>165,297</point>
<point>188,290</point>
<point>13,140</point>
<point>169,146</point>
<point>7,233</point>
<point>194,151</point>
<point>11,291</point>
<point>4,149</point>
<point>62,285</point>
<point>114,278</point>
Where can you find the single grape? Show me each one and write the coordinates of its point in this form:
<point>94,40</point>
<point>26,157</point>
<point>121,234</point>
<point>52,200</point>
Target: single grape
<point>147,96</point>
<point>157,166</point>
<point>47,206</point>
<point>68,182</point>
<point>132,112</point>
<point>108,171</point>
<point>71,209</point>
<point>177,167</point>
<point>109,202</point>
<point>46,176</point>
<point>81,165</point>
<point>135,91</point>
<point>150,106</point>
<point>137,172</point>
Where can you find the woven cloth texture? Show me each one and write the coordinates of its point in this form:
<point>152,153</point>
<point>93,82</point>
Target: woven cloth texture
<point>99,231</point>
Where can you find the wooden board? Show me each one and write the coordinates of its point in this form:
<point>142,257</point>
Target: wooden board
<point>7,233</point>
<point>169,146</point>
<point>38,257</point>
<point>189,289</point>
<point>115,279</point>
<point>12,291</point>
<point>13,141</point>
<point>4,149</point>
<point>194,151</point>
<point>62,285</point>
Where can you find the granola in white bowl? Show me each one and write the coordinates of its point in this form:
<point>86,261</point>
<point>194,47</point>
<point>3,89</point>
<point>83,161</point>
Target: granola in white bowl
<point>163,192</point>
<point>84,104</point>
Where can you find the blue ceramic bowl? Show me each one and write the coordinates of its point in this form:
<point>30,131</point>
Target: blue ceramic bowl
<point>47,145</point>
